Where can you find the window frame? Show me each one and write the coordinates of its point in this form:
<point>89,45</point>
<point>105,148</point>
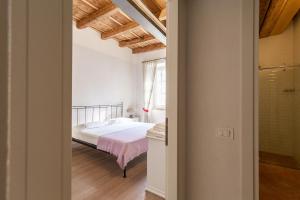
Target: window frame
<point>160,66</point>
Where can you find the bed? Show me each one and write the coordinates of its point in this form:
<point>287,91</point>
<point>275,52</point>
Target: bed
<point>103,127</point>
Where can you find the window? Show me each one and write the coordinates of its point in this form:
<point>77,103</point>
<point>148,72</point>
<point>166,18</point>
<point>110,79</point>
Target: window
<point>154,85</point>
<point>159,93</point>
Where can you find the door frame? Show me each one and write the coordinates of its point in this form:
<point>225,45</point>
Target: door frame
<point>173,172</point>
<point>256,101</point>
<point>176,154</point>
<point>17,51</point>
<point>249,107</point>
<point>18,60</point>
<point>3,96</point>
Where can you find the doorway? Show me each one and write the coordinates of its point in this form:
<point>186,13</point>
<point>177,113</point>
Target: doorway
<point>278,104</point>
<point>100,80</point>
<point>49,86</point>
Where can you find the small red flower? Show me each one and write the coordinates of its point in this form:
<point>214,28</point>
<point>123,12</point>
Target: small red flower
<point>145,110</point>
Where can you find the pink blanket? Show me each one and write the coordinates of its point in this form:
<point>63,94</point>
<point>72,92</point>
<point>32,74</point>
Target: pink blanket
<point>126,144</point>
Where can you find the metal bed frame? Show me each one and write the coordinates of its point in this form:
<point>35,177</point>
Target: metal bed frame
<point>111,111</point>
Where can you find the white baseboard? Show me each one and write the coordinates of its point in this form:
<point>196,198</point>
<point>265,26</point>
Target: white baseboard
<point>156,191</point>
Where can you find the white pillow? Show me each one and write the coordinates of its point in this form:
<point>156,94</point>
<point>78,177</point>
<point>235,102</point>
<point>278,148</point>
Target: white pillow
<point>96,124</point>
<point>120,120</point>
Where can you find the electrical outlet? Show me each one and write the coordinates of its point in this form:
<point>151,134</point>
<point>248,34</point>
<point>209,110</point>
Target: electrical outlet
<point>225,133</point>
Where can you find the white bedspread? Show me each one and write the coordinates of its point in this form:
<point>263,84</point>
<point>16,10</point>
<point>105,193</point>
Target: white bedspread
<point>91,135</point>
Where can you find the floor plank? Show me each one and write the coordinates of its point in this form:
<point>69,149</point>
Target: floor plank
<point>96,176</point>
<point>279,183</point>
<point>279,160</point>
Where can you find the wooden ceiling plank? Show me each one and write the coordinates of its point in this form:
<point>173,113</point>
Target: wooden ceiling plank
<point>108,26</point>
<point>83,6</point>
<point>133,33</point>
<point>101,13</point>
<point>124,36</point>
<point>76,18</point>
<point>125,15</point>
<point>119,30</point>
<point>89,4</point>
<point>126,43</point>
<point>151,47</point>
<point>128,33</point>
<point>116,21</point>
<point>78,8</point>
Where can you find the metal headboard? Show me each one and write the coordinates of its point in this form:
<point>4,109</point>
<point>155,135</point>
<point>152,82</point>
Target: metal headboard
<point>86,114</point>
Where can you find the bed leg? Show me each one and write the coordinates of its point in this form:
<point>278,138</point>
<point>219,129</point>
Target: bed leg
<point>124,173</point>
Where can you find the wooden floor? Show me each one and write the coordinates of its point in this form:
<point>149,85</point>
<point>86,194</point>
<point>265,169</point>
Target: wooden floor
<point>279,160</point>
<point>96,176</point>
<point>279,183</point>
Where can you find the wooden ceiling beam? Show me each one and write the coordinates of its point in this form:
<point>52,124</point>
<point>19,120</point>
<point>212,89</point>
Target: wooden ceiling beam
<point>279,16</point>
<point>152,6</point>
<point>163,15</point>
<point>141,6</point>
<point>142,15</point>
<point>287,15</point>
<point>101,13</point>
<point>126,43</point>
<point>119,30</point>
<point>150,47</point>
<point>161,3</point>
<point>271,17</point>
<point>263,10</point>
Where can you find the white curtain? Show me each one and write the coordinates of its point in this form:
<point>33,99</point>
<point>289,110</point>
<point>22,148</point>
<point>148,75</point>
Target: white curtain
<point>149,80</point>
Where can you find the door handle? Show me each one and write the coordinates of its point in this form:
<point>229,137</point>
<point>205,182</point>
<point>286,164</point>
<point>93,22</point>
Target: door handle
<point>167,132</point>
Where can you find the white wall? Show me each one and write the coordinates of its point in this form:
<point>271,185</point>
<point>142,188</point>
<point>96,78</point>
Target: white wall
<point>92,40</point>
<point>102,71</point>
<point>137,59</point>
<point>276,111</point>
<point>297,87</point>
<point>296,111</point>
<point>214,99</point>
<point>278,49</point>
<point>281,49</point>
<point>275,118</point>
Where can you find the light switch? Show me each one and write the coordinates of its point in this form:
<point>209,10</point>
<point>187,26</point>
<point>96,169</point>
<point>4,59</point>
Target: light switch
<point>225,133</point>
